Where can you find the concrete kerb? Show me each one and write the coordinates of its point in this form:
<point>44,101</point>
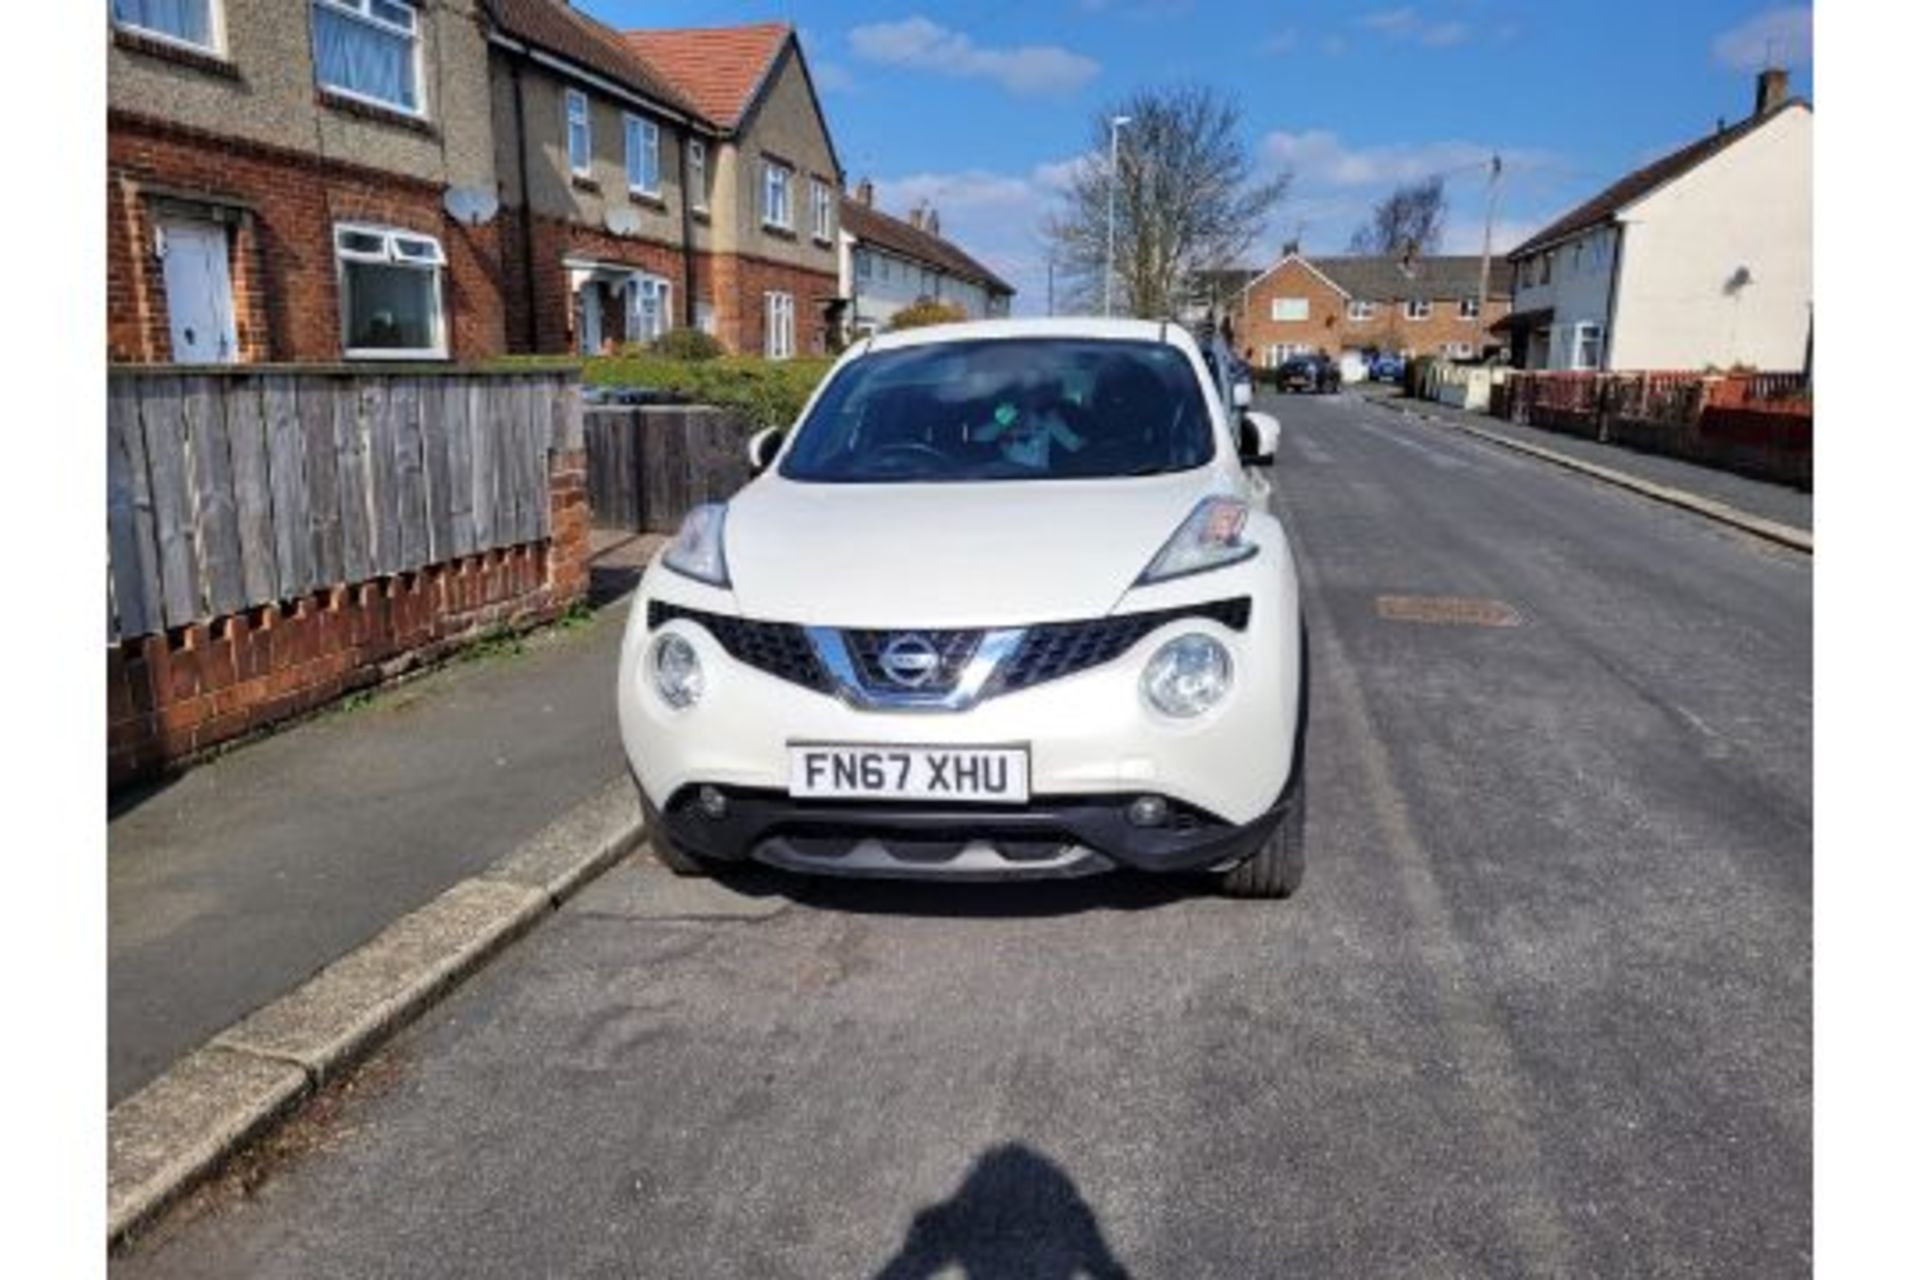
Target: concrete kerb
<point>1759,526</point>
<point>176,1131</point>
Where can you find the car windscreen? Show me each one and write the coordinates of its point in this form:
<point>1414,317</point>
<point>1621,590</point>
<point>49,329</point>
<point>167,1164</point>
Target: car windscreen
<point>1006,409</point>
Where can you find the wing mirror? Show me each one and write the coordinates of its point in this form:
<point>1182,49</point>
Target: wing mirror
<point>763,446</point>
<point>1243,395</point>
<point>1259,439</point>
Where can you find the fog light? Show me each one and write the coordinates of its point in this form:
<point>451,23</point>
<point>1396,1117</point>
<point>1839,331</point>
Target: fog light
<point>1187,675</point>
<point>676,672</point>
<point>1147,811</point>
<point>713,803</point>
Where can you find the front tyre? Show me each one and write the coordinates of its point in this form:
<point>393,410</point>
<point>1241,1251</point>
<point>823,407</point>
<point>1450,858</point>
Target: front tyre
<point>1277,870</point>
<point>671,856</point>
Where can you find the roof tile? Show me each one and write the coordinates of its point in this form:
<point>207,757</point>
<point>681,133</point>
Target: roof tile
<point>565,31</point>
<point>717,68</point>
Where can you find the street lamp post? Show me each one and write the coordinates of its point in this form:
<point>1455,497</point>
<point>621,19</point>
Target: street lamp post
<point>1113,187</point>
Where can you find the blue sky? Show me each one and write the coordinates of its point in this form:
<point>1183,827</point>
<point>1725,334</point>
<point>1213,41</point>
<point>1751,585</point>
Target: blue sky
<point>979,105</point>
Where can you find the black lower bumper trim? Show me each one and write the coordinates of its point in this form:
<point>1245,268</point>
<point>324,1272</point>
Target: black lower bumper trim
<point>1037,839</point>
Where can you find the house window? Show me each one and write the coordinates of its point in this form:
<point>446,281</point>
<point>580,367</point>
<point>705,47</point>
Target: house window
<point>1586,345</point>
<point>822,211</point>
<point>1546,267</point>
<point>1418,308</point>
<point>188,22</point>
<point>863,264</point>
<point>1359,309</point>
<point>697,171</point>
<point>649,308</point>
<point>643,156</point>
<point>370,50</point>
<point>779,326</point>
<point>886,267</point>
<point>703,316</point>
<point>1289,308</point>
<point>1470,308</point>
<point>579,133</point>
<point>1458,350</point>
<point>776,195</point>
<point>390,285</point>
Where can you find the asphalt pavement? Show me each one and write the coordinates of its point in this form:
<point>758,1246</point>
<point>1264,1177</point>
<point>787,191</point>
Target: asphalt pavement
<point>1543,1006</point>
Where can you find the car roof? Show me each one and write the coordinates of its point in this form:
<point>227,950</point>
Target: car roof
<point>1095,327</point>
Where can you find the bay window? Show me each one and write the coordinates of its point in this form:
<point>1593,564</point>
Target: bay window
<point>650,308</point>
<point>390,293</point>
<point>188,22</point>
<point>370,50</point>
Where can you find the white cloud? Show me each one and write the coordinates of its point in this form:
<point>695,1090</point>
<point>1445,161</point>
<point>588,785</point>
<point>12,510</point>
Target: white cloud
<point>1335,186</point>
<point>1405,23</point>
<point>1779,36</point>
<point>925,45</point>
<point>831,77</point>
<point>994,216</point>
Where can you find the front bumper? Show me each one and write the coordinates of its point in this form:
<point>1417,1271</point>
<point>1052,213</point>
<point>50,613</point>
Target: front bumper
<point>1051,837</point>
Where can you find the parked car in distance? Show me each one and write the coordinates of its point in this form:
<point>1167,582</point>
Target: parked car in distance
<point>1310,373</point>
<point>1386,367</point>
<point>1006,603</point>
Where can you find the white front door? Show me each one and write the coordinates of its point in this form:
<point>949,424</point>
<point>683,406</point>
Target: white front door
<point>199,293</point>
<point>590,319</point>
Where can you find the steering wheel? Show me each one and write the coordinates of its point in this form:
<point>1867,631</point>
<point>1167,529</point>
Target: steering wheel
<point>913,446</point>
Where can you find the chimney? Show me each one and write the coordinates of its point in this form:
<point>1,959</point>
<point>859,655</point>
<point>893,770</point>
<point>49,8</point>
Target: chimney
<point>864,192</point>
<point>1291,249</point>
<point>1770,90</point>
<point>917,217</point>
<point>932,222</point>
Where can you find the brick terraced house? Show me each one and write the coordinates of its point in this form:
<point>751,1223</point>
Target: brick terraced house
<point>1409,304</point>
<point>318,180</point>
<point>278,175</point>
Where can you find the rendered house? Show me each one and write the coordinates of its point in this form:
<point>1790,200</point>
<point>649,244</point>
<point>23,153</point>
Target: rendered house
<point>1407,304</point>
<point>278,182</point>
<point>1702,258</point>
<point>765,235</point>
<point>887,263</point>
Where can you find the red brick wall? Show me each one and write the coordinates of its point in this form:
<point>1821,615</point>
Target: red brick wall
<point>740,310</point>
<point>539,313</point>
<point>172,697</point>
<point>280,243</point>
<point>1327,326</point>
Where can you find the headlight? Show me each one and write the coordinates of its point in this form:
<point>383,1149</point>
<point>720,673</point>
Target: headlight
<point>1187,675</point>
<point>676,671</point>
<point>1207,539</point>
<point>698,550</point>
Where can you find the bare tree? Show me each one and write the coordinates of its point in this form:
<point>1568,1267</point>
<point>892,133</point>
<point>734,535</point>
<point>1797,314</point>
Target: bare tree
<point>1185,200</point>
<point>1411,217</point>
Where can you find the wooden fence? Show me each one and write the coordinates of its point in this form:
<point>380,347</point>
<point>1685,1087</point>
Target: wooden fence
<point>647,466</point>
<point>232,489</point>
<point>1756,424</point>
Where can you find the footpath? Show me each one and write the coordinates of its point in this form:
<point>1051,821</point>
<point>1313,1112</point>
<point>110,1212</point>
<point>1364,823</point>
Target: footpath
<point>274,910</point>
<point>1777,512</point>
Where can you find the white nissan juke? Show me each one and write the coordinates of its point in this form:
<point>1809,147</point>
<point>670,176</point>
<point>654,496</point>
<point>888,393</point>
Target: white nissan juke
<point>1005,603</point>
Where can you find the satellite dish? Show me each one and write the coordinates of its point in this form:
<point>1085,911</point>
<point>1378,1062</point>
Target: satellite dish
<point>472,205</point>
<point>622,220</point>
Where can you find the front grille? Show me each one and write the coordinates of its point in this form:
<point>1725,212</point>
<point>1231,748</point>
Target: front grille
<point>1047,650</point>
<point>954,648</point>
<point>1052,650</point>
<point>777,648</point>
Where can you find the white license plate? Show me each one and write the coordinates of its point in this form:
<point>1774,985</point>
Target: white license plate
<point>981,775</point>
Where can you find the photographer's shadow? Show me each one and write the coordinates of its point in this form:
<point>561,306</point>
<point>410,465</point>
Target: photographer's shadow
<point>1017,1214</point>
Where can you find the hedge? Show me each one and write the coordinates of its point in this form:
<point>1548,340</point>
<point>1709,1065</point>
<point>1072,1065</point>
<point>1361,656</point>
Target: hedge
<point>771,392</point>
